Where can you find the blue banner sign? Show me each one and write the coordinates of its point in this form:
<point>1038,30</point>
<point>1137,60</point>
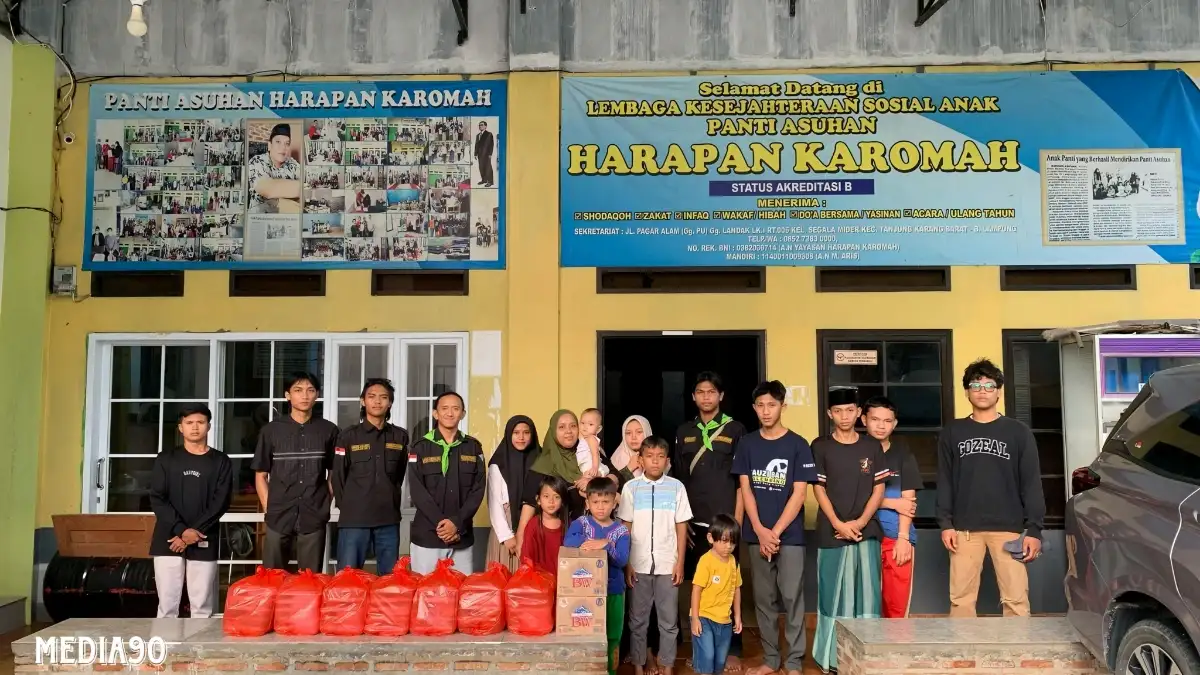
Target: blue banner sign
<point>293,175</point>
<point>1046,168</point>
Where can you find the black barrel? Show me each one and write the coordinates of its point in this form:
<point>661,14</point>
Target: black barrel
<point>104,588</point>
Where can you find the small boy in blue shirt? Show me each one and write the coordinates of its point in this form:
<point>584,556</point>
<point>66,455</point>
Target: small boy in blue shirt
<point>597,531</point>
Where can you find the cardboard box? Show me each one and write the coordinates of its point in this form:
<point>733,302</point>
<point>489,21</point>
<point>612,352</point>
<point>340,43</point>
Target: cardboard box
<point>581,616</point>
<point>582,573</point>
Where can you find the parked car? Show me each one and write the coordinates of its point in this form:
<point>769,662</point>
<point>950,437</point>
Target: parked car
<point>1133,534</point>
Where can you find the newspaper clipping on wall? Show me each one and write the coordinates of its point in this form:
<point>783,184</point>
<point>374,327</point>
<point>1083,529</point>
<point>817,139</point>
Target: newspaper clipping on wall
<point>1117,197</point>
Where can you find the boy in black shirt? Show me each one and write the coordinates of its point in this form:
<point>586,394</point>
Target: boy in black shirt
<point>851,471</point>
<point>291,464</point>
<point>189,492</point>
<point>989,492</point>
<point>774,466</point>
<point>899,507</point>
<point>368,473</point>
<point>447,487</point>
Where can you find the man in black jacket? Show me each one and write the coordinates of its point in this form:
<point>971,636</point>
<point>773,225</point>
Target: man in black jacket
<point>703,462</point>
<point>447,487</point>
<point>368,474</point>
<point>189,491</point>
<point>989,492</point>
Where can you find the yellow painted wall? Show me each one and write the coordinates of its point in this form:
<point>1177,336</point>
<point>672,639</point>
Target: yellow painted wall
<point>28,93</point>
<point>549,316</point>
<point>348,306</point>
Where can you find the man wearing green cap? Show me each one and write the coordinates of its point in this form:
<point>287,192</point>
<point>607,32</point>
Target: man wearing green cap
<point>447,485</point>
<point>703,462</point>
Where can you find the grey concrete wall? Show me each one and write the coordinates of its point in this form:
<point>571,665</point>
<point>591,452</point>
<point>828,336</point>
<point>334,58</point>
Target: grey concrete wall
<point>386,37</point>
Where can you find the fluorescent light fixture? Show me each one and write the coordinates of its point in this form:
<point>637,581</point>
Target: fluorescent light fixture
<point>137,20</point>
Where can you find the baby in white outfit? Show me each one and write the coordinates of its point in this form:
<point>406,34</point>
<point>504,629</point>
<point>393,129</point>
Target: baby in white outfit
<point>587,451</point>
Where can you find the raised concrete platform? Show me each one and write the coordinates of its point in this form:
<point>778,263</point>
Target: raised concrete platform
<point>198,645</point>
<point>989,645</point>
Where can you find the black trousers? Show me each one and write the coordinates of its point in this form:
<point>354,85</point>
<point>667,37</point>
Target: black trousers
<point>309,548</point>
<point>486,175</point>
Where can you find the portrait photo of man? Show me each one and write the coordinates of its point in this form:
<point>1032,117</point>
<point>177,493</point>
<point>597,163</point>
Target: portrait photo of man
<point>273,169</point>
<point>485,151</point>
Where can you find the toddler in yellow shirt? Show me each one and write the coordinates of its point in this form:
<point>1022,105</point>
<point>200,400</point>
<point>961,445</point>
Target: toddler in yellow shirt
<point>716,597</point>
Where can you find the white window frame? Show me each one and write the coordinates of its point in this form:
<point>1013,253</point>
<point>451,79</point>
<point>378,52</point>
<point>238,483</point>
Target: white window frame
<point>97,409</point>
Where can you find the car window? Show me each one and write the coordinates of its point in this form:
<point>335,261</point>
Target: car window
<point>1166,440</point>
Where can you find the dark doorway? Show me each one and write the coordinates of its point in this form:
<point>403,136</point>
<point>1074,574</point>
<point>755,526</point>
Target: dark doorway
<point>652,374</point>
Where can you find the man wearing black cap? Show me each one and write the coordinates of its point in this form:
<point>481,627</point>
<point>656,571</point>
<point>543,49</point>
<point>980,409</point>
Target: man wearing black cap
<point>851,476</point>
<point>274,176</point>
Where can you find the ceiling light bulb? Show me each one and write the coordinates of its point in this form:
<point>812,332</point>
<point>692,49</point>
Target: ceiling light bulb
<point>137,22</point>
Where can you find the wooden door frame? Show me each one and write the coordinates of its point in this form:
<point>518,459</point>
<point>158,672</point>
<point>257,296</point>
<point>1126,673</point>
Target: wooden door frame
<point>945,337</point>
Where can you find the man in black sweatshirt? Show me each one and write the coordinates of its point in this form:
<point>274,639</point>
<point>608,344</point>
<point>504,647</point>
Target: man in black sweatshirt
<point>190,490</point>
<point>368,473</point>
<point>447,486</point>
<point>989,493</point>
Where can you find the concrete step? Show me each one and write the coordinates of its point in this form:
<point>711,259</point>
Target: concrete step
<point>985,644</point>
<point>12,613</point>
<point>203,640</point>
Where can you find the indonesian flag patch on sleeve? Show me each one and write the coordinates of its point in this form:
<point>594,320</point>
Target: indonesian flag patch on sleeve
<point>339,451</point>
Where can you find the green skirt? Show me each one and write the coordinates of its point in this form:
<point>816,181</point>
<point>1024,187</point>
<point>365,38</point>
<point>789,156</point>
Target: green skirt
<point>848,587</point>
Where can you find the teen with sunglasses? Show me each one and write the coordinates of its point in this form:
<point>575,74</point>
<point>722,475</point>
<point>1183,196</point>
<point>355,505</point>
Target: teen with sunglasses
<point>989,497</point>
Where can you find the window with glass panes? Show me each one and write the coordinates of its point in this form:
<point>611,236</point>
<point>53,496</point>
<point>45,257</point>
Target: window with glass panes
<point>137,384</point>
<point>1033,394</point>
<point>912,369</point>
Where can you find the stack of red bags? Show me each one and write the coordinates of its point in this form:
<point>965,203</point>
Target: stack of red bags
<point>389,610</point>
<point>481,601</point>
<point>529,601</point>
<point>354,602</point>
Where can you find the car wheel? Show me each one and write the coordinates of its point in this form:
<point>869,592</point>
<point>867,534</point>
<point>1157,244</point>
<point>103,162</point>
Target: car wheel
<point>1153,647</point>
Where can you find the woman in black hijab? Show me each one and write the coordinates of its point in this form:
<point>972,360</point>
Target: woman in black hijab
<point>508,480</point>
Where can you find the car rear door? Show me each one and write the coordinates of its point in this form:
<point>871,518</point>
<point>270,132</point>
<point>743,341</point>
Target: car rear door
<point>1185,559</point>
<point>1163,437</point>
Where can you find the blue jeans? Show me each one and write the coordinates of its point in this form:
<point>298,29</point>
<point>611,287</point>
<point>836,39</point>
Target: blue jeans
<point>354,541</point>
<point>711,647</point>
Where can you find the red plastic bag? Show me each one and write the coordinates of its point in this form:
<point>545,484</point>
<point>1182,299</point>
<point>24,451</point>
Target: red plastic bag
<point>389,610</point>
<point>435,605</point>
<point>529,601</point>
<point>250,603</point>
<point>344,603</point>
<point>298,607</point>
<point>481,601</point>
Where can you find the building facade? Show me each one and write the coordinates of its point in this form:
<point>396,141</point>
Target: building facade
<point>95,375</point>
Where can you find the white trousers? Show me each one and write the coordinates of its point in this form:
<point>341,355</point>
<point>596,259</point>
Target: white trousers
<point>169,574</point>
<point>425,560</point>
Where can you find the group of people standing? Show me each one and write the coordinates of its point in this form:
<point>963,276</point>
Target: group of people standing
<point>664,512</point>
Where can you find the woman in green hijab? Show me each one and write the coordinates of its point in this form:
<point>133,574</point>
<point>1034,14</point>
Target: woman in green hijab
<point>557,458</point>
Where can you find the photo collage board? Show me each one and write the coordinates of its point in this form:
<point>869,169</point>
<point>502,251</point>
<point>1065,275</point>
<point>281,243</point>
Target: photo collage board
<point>400,183</point>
